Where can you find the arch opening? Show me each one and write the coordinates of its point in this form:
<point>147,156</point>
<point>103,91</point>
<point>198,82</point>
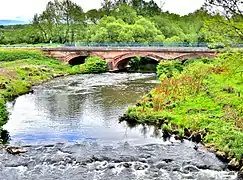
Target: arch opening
<point>137,64</point>
<point>77,60</point>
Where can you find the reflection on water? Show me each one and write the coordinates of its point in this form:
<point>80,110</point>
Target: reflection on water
<point>83,107</point>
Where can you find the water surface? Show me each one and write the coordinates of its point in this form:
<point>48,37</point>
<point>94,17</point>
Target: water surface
<point>70,130</point>
<point>78,108</point>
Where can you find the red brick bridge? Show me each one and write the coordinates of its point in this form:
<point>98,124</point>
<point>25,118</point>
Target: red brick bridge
<point>118,57</point>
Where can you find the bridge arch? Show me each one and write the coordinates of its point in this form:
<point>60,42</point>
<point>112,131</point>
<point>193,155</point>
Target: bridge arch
<point>122,60</point>
<point>76,59</point>
<point>188,56</point>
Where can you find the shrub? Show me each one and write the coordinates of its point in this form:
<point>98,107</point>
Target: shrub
<point>94,65</point>
<point>203,60</point>
<point>169,68</point>
<point>234,63</point>
<point>3,112</point>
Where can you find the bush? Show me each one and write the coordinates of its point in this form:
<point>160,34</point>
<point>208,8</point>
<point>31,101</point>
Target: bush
<point>233,61</point>
<point>203,60</point>
<point>3,113</point>
<point>94,65</point>
<point>169,68</point>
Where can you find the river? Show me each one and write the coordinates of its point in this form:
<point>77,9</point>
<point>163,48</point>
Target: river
<point>70,129</point>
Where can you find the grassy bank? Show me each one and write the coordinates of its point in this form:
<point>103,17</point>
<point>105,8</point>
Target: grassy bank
<point>201,99</point>
<point>21,69</point>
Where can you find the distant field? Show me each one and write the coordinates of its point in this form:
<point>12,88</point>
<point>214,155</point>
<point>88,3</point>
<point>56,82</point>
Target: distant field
<point>30,45</point>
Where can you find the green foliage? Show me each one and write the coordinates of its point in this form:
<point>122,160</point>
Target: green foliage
<point>226,21</point>
<point>128,21</point>
<point>204,95</point>
<point>12,55</point>
<point>234,62</point>
<point>111,29</point>
<point>94,65</point>
<point>117,21</point>
<point>169,68</point>
<point>3,112</point>
<point>126,13</point>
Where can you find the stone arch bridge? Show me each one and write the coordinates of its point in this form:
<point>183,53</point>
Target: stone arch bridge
<point>117,57</point>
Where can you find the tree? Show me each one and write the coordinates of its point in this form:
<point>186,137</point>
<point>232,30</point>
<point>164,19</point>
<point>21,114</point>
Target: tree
<point>145,8</point>
<point>168,26</point>
<point>100,35</point>
<point>107,6</point>
<point>151,8</point>
<point>227,19</point>
<point>126,13</point>
<point>94,15</point>
<point>60,22</point>
<point>129,21</point>
<point>150,29</point>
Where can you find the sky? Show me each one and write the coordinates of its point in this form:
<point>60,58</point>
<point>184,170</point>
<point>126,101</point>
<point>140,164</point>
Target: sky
<point>25,9</point>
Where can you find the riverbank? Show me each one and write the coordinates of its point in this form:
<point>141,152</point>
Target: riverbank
<point>21,69</point>
<point>200,100</point>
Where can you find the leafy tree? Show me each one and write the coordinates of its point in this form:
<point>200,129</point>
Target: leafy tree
<point>60,21</point>
<point>150,29</point>
<point>145,8</point>
<point>126,13</point>
<point>168,26</point>
<point>173,39</point>
<point>129,21</point>
<point>107,6</point>
<point>94,15</point>
<point>226,20</point>
<point>138,32</point>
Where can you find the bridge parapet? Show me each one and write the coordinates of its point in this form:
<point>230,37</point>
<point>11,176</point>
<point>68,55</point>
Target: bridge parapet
<point>150,49</point>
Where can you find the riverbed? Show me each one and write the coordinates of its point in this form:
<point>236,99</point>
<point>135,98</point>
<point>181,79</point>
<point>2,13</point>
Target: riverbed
<point>70,129</point>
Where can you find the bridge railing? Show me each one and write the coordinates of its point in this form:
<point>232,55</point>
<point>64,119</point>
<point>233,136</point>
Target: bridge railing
<point>133,44</point>
<point>47,45</point>
<point>124,44</point>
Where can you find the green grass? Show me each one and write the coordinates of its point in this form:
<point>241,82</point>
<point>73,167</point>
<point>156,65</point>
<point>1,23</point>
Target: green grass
<point>206,96</point>
<point>18,54</point>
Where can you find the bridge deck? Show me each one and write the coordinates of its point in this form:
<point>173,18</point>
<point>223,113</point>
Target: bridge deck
<point>150,49</point>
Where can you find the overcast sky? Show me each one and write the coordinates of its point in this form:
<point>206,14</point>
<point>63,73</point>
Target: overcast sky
<point>25,9</point>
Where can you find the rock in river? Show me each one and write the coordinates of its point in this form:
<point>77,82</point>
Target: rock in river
<point>15,150</point>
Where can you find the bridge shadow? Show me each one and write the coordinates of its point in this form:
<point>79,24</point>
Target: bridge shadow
<point>137,64</point>
<point>77,60</point>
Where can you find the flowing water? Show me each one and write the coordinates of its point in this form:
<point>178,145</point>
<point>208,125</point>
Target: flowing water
<point>70,129</point>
